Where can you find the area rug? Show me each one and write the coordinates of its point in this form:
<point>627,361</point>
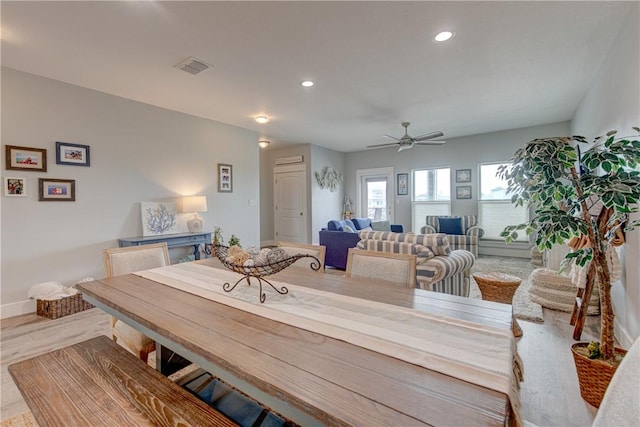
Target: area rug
<point>523,307</point>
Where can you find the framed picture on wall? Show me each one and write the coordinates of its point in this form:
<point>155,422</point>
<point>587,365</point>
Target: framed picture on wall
<point>26,158</point>
<point>463,192</point>
<point>72,154</point>
<point>15,187</point>
<point>463,175</point>
<point>403,184</point>
<point>56,190</point>
<point>225,178</point>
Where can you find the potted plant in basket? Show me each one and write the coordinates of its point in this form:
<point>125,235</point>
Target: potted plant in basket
<point>584,196</point>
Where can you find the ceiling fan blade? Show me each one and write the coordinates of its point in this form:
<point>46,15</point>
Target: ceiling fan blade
<point>431,135</point>
<point>405,147</point>
<point>392,137</point>
<point>434,142</point>
<point>382,145</point>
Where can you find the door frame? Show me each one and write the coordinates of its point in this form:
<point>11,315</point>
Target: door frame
<point>388,173</point>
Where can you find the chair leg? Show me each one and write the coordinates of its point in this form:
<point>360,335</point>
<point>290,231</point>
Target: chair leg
<point>145,350</point>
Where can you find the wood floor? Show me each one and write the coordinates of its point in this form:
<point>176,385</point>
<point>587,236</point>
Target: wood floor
<point>549,394</point>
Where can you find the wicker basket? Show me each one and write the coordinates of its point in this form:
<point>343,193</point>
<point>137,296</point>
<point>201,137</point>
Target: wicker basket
<point>594,375</point>
<point>52,309</point>
<point>498,287</point>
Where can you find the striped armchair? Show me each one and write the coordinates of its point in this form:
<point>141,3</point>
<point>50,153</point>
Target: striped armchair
<point>468,240</point>
<point>438,268</point>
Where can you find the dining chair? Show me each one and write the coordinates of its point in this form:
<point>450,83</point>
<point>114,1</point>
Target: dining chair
<point>317,251</point>
<point>118,261</point>
<point>399,269</point>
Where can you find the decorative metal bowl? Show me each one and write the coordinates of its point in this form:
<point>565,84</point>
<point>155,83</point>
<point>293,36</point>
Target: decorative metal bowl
<point>260,271</point>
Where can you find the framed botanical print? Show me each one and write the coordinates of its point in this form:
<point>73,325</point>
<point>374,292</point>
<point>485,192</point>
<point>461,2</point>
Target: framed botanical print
<point>225,178</point>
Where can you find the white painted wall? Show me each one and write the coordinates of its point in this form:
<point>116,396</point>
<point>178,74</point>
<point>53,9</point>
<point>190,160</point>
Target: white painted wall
<point>613,102</point>
<point>138,153</point>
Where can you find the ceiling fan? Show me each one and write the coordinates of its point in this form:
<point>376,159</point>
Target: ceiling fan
<point>407,141</point>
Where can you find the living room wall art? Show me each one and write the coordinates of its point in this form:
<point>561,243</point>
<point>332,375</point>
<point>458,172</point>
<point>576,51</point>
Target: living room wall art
<point>463,192</point>
<point>463,175</point>
<point>25,158</point>
<point>158,218</point>
<point>225,178</point>
<point>56,190</point>
<point>72,154</point>
<point>329,178</point>
<point>15,187</point>
<point>403,184</point>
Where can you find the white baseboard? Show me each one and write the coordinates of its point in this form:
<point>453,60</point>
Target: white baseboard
<point>17,308</point>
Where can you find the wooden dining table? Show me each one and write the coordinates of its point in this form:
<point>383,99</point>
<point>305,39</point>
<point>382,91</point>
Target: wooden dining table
<point>307,377</point>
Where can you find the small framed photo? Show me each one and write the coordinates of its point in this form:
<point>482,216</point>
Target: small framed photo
<point>15,187</point>
<point>61,190</point>
<point>463,175</point>
<point>225,178</point>
<point>463,192</point>
<point>72,154</point>
<point>26,158</point>
<point>403,184</point>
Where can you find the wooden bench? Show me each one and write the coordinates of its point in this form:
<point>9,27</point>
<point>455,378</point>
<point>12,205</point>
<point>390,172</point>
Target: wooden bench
<point>98,383</point>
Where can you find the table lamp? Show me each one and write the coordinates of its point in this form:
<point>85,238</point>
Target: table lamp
<point>195,204</point>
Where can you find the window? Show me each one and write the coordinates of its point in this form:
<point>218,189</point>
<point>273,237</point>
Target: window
<point>430,195</point>
<point>494,206</point>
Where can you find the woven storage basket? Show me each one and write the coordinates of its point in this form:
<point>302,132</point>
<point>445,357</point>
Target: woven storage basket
<point>498,287</point>
<point>594,375</point>
<point>55,308</point>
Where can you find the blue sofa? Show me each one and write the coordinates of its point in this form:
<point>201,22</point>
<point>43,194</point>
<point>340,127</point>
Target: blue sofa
<point>340,235</point>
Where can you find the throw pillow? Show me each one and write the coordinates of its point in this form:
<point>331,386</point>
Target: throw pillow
<point>348,229</point>
<point>451,225</point>
<point>381,226</point>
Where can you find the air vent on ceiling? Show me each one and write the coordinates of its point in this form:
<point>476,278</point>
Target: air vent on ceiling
<point>193,66</point>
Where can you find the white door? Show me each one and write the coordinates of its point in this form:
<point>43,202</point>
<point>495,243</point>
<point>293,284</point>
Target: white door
<point>375,194</point>
<point>290,200</point>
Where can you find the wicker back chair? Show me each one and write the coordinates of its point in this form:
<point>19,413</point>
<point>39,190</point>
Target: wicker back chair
<point>118,261</point>
<point>317,251</point>
<point>396,268</point>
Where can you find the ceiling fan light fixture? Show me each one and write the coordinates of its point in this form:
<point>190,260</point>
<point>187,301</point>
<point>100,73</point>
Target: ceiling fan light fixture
<point>443,36</point>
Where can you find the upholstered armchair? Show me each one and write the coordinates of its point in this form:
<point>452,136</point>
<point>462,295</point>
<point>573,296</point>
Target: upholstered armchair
<point>438,267</point>
<point>462,231</point>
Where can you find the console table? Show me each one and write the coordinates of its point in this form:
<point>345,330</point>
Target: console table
<point>172,240</point>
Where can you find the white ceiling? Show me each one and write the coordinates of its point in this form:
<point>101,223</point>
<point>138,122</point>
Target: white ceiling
<point>510,64</point>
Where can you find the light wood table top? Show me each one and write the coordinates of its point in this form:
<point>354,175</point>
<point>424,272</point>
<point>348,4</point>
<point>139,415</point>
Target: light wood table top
<point>307,377</point>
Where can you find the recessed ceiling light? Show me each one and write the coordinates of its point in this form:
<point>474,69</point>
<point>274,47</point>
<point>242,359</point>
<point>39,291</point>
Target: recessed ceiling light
<point>262,119</point>
<point>306,83</point>
<point>443,36</point>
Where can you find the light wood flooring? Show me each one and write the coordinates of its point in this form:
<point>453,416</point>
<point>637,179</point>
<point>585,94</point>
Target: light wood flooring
<point>550,394</point>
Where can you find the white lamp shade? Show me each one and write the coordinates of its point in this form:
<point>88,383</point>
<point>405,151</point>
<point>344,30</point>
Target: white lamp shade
<point>194,204</point>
